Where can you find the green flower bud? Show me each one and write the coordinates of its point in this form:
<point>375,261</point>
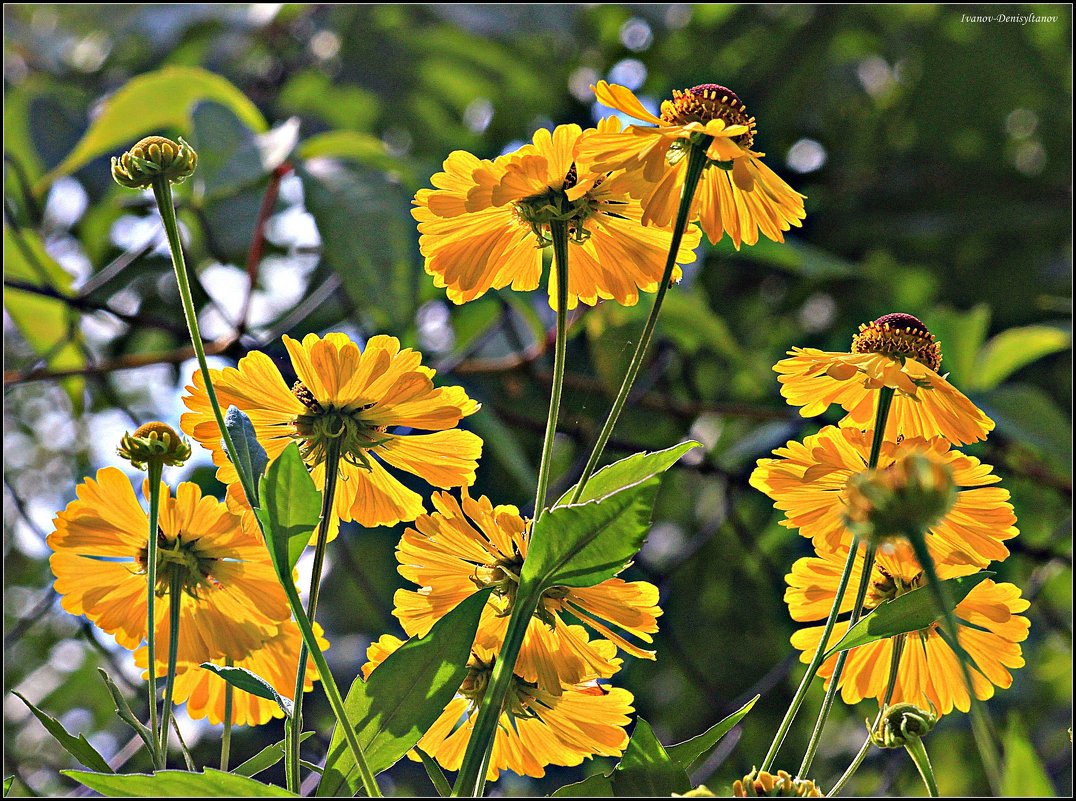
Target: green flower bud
<point>900,723</point>
<point>759,784</point>
<point>906,498</point>
<point>153,158</point>
<point>154,442</point>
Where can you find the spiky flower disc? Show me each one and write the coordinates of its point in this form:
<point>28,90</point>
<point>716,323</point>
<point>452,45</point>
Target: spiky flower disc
<point>154,158</point>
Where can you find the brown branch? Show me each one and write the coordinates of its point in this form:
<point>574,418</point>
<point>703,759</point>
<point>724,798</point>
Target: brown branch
<point>83,304</point>
<point>257,243</point>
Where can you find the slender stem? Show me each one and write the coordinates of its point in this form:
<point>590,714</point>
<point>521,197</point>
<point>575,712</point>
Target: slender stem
<point>894,662</point>
<point>885,400</point>
<point>226,739</point>
<point>154,469</point>
<point>328,496</point>
<point>162,192</point>
<point>696,161</point>
<point>918,752</point>
<point>471,780</point>
<point>979,726</point>
<point>559,233</point>
<point>175,601</point>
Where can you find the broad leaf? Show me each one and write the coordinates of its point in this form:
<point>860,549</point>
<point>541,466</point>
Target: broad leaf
<point>912,611</point>
<point>1010,350</point>
<point>267,757</point>
<point>250,453</point>
<point>290,509</point>
<point>231,156</point>
<point>362,148</point>
<point>157,102</point>
<point>635,468</point>
<point>403,697</point>
<point>961,334</point>
<point>250,682</point>
<point>1029,417</point>
<point>691,751</point>
<point>599,785</point>
<point>1023,774</point>
<point>584,544</point>
<point>176,784</point>
<point>78,747</point>
<point>646,769</point>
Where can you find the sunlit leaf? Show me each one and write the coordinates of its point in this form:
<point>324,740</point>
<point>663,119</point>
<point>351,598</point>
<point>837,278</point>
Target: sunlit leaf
<point>176,784</point>
<point>1023,775</point>
<point>631,470</point>
<point>250,682</point>
<point>78,747</point>
<point>1010,350</point>
<point>362,148</point>
<point>646,769</point>
<point>290,509</point>
<point>250,453</point>
<point>961,334</point>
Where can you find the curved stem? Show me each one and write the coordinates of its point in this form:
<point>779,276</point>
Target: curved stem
<point>696,161</point>
<point>162,193</point>
<point>154,469</point>
<point>471,780</point>
<point>885,400</point>
<point>175,601</point>
<point>226,739</point>
<point>328,496</point>
<point>559,234</point>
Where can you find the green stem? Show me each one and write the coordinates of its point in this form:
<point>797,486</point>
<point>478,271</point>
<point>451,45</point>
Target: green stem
<point>471,780</point>
<point>559,234</point>
<point>175,602</point>
<point>885,399</point>
<point>226,739</point>
<point>328,496</point>
<point>918,752</point>
<point>162,192</point>
<point>894,662</point>
<point>696,161</point>
<point>154,470</point>
<point>979,726</point>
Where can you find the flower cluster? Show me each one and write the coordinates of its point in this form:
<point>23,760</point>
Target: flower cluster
<point>882,486</point>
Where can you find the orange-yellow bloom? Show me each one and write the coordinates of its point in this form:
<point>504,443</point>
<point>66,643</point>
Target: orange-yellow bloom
<point>465,546</point>
<point>537,727</point>
<point>276,661</point>
<point>357,396</point>
<point>990,629</point>
<point>230,599</point>
<point>738,194</point>
<point>808,481</point>
<point>485,224</point>
<point>895,351</point>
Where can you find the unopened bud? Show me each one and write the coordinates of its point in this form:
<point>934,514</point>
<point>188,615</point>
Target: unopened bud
<point>904,499</point>
<point>760,784</point>
<point>154,442</point>
<point>900,723</point>
<point>154,158</point>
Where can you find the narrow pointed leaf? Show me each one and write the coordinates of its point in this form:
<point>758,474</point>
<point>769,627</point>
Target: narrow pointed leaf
<point>176,784</point>
<point>267,757</point>
<point>250,682</point>
<point>123,710</point>
<point>78,747</point>
<point>691,751</point>
<point>290,509</point>
<point>913,611</point>
<point>1023,773</point>
<point>403,697</point>
<point>437,776</point>
<point>635,468</point>
<point>250,453</point>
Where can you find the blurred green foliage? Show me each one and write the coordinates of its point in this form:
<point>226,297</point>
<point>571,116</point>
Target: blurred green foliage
<point>935,156</point>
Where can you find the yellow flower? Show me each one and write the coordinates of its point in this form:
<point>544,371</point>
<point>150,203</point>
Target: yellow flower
<point>231,601</point>
<point>738,194</point>
<point>485,224</point>
<point>275,661</point>
<point>895,351</point>
<point>464,547</point>
<point>990,630</point>
<point>809,483</point>
<point>357,396</point>
<point>537,727</point>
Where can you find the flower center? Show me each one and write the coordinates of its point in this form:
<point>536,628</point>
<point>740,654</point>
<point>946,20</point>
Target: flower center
<point>900,336</point>
<point>179,560</point>
<point>326,424</point>
<point>538,211</point>
<point>887,587</point>
<point>503,576</point>
<point>709,101</point>
<point>519,698</point>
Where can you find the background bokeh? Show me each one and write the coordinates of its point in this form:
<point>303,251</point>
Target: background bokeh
<point>935,156</point>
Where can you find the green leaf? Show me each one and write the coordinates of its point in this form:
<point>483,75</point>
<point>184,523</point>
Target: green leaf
<point>1026,415</point>
<point>123,710</point>
<point>691,751</point>
<point>403,697</point>
<point>1010,350</point>
<point>290,509</point>
<point>799,258</point>
<point>231,157</point>
<point>961,335</point>
<point>267,757</point>
<point>1023,774</point>
<point>7,784</point>
<point>912,611</point>
<point>362,148</point>
<point>646,769</point>
<point>688,320</point>
<point>154,103</point>
<point>635,468</point>
<point>78,747</point>
<point>250,453</point>
<point>176,784</point>
<point>437,776</point>
<point>250,682</point>
<point>49,325</point>
<point>597,785</point>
